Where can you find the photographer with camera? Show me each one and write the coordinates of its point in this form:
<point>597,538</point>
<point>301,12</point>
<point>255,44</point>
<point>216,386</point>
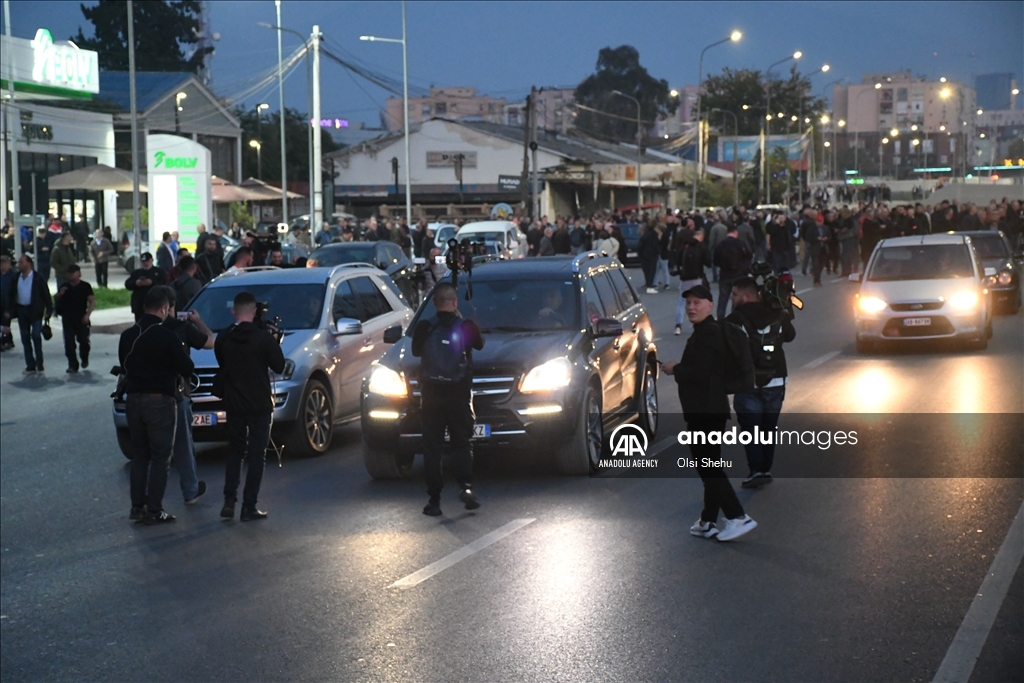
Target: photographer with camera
<point>247,353</point>
<point>154,361</point>
<point>768,327</point>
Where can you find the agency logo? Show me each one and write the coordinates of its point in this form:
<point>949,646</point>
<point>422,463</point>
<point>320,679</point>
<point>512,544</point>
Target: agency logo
<point>628,441</point>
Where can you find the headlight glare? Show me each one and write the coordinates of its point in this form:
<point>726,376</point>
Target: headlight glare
<point>386,382</point>
<point>871,304</point>
<point>963,301</point>
<point>554,374</point>
<point>1005,277</point>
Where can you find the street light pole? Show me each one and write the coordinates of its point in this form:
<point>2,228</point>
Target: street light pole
<point>735,161</point>
<point>255,144</point>
<point>766,152</point>
<point>639,156</point>
<point>824,69</point>
<point>133,108</point>
<point>405,103</point>
<point>856,133</point>
<point>280,89</point>
<point>12,140</point>
<point>259,135</point>
<point>316,219</point>
<point>734,37</point>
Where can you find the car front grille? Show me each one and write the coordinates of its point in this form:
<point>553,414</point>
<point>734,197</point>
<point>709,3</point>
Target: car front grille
<point>917,306</point>
<point>493,386</point>
<point>202,382</point>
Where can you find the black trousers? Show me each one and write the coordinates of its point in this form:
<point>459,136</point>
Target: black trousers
<point>248,438</point>
<point>719,494</point>
<point>101,274</point>
<point>151,423</point>
<point>451,409</point>
<point>75,331</point>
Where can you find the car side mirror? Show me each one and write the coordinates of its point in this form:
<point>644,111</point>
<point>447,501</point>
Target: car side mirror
<point>606,327</point>
<point>393,334</point>
<point>990,272</point>
<point>348,326</point>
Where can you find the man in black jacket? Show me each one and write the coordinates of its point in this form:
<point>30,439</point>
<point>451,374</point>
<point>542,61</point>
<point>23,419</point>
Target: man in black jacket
<point>649,249</point>
<point>246,354</point>
<point>209,261</point>
<point>187,285</point>
<point>445,343</point>
<point>768,329</point>
<point>141,281</point>
<point>29,301</point>
<point>733,260</point>
<point>155,364</point>
<point>701,379</point>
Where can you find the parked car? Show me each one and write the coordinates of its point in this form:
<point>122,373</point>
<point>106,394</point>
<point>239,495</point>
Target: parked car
<point>387,256</point>
<point>924,287</point>
<point>333,322</point>
<point>504,236</point>
<point>569,355</point>
<point>631,236</point>
<point>995,252</point>
<point>442,233</point>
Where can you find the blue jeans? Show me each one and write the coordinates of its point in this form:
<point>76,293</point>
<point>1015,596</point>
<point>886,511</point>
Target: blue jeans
<point>662,277</point>
<point>248,437</point>
<point>779,261</point>
<point>185,451</point>
<point>760,408</point>
<point>151,423</point>
<point>31,337</point>
<point>807,257</point>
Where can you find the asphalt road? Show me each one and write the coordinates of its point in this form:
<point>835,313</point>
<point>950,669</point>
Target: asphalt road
<point>845,579</point>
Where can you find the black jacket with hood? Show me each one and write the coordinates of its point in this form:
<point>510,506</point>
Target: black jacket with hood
<point>244,354</point>
<point>701,374</point>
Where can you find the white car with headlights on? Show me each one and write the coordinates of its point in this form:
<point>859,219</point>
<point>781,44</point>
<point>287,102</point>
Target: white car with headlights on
<point>927,287</point>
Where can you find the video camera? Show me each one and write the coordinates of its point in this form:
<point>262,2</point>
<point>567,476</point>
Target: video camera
<point>272,325</point>
<point>777,291</point>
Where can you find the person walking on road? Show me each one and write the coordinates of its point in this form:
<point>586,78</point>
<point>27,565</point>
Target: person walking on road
<point>690,257</point>
<point>141,281</point>
<point>62,258</point>
<point>8,276</point>
<point>445,345</point>
<point>30,302</point>
<point>649,249</point>
<point>246,354</point>
<point>732,257</point>
<point>700,375</point>
<point>101,250</point>
<point>74,304</point>
<point>154,362</point>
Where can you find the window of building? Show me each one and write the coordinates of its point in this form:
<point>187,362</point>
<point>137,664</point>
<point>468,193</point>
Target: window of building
<point>441,108</point>
<point>455,105</point>
<point>426,110</point>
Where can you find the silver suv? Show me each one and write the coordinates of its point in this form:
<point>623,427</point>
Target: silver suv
<point>333,322</point>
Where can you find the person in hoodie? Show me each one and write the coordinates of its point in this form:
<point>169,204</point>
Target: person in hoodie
<point>768,329</point>
<point>246,354</point>
<point>186,285</point>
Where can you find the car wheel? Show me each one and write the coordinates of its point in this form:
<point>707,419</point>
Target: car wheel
<point>129,265</point>
<point>124,442</point>
<point>386,463</point>
<point>864,346</point>
<point>314,427</point>
<point>582,452</point>
<point>649,402</point>
<point>979,344</point>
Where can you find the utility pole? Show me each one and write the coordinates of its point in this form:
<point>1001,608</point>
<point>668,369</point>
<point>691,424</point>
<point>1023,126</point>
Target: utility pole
<point>524,180</point>
<point>13,125</point>
<point>534,196</point>
<point>280,87</point>
<point>317,213</point>
<point>136,220</point>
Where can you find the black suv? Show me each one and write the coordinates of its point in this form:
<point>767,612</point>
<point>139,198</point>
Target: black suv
<point>387,256</point>
<point>569,355</point>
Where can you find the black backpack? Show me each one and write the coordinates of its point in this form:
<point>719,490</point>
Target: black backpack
<point>731,255</point>
<point>577,237</point>
<point>765,347</point>
<point>691,262</point>
<point>740,377</point>
<point>446,354</point>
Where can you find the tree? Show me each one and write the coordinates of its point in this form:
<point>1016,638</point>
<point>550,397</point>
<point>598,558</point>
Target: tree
<point>619,69</point>
<point>731,90</point>
<point>296,127</point>
<point>164,29</point>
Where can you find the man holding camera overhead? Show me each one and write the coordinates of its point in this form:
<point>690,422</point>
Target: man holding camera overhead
<point>246,354</point>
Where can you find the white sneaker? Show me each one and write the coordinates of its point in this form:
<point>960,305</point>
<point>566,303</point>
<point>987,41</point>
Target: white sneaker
<point>704,529</point>
<point>734,528</point>
<point>679,330</point>
<point>652,290</point>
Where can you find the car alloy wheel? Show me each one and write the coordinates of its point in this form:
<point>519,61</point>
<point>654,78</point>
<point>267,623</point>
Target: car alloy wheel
<point>649,409</point>
<point>317,418</point>
<point>595,430</point>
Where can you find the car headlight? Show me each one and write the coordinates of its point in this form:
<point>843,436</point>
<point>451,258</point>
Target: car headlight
<point>555,374</point>
<point>386,382</point>
<point>289,370</point>
<point>963,301</point>
<point>871,304</point>
<point>1005,277</point>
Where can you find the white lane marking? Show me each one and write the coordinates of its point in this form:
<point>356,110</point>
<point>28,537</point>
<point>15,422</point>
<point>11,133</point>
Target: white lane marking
<point>804,291</point>
<point>821,360</point>
<point>963,653</point>
<point>462,553</point>
<point>840,279</point>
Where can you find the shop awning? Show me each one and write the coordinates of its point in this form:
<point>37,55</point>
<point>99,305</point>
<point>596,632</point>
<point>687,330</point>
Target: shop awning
<point>98,177</point>
<point>266,191</point>
<point>224,192</point>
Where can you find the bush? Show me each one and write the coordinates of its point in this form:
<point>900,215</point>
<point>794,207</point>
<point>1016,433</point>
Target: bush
<point>111,298</point>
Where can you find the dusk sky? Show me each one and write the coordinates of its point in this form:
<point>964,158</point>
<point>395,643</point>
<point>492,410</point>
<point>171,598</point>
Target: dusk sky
<point>502,48</point>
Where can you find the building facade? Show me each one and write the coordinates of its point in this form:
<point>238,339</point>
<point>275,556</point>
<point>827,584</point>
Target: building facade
<point>555,110</point>
<point>455,103</point>
<point>995,91</point>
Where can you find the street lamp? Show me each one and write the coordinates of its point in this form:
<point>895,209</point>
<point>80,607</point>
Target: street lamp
<point>735,160</point>
<point>734,37</point>
<point>856,133</point>
<point>405,104</point>
<point>178,97</point>
<point>767,126</point>
<point>255,144</point>
<point>639,137</point>
<point>259,133</point>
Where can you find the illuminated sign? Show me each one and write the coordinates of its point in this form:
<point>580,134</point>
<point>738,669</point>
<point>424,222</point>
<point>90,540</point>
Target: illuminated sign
<point>179,186</point>
<point>330,123</point>
<point>46,68</point>
<point>160,159</point>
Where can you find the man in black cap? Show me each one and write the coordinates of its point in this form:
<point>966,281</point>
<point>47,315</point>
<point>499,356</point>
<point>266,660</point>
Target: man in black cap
<point>74,304</point>
<point>701,379</point>
<point>141,281</point>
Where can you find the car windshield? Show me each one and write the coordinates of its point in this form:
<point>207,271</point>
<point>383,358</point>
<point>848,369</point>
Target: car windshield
<point>516,305</point>
<point>298,305</point>
<point>483,236</point>
<point>922,262</point>
<point>445,233</point>
<point>990,246</point>
<point>335,257</point>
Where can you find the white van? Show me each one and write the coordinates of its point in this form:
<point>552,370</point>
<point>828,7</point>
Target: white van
<point>503,236</point>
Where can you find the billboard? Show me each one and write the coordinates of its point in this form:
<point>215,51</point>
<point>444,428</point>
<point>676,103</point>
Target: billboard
<point>42,67</point>
<point>748,146</point>
<point>179,186</point>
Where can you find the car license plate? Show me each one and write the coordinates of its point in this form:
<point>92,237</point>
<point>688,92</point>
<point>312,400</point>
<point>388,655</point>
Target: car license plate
<point>481,431</point>
<point>917,322</point>
<point>204,419</point>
